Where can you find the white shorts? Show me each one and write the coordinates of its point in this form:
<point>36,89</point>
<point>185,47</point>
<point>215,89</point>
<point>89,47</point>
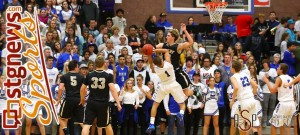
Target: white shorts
<point>259,109</point>
<point>30,108</point>
<point>283,114</point>
<point>248,114</point>
<point>211,108</point>
<point>234,109</point>
<point>173,88</point>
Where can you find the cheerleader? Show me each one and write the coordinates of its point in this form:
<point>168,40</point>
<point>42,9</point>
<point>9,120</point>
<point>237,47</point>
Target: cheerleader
<point>128,115</point>
<point>143,92</point>
<point>211,96</point>
<point>195,106</point>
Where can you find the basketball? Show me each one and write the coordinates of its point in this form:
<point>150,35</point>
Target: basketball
<point>147,49</point>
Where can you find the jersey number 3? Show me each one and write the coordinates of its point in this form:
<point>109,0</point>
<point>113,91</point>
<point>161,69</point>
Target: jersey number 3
<point>245,81</point>
<point>100,85</point>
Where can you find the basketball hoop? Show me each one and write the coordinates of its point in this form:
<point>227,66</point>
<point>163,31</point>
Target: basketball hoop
<point>215,9</point>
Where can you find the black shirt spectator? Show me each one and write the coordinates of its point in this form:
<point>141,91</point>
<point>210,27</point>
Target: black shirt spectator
<point>90,12</point>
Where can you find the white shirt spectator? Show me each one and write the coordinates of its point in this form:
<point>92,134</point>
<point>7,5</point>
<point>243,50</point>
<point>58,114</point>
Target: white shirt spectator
<point>142,96</point>
<point>93,57</point>
<point>52,75</point>
<point>297,26</point>
<point>136,57</point>
<point>120,22</point>
<point>131,98</point>
<point>111,98</point>
<point>283,47</point>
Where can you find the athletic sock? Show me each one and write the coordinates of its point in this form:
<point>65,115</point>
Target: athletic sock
<point>255,133</point>
<point>152,120</point>
<point>181,112</point>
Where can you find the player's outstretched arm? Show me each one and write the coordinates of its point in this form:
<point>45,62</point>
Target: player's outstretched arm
<point>159,46</point>
<point>166,54</point>
<point>190,39</point>
<point>115,95</point>
<point>82,94</point>
<point>150,60</point>
<point>275,87</point>
<point>60,90</point>
<point>297,79</point>
<point>235,86</point>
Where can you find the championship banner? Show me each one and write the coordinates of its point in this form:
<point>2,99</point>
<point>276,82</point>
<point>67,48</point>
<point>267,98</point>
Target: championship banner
<point>23,28</point>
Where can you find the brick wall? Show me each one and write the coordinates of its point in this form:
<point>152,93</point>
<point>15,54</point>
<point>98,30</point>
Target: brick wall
<point>137,11</point>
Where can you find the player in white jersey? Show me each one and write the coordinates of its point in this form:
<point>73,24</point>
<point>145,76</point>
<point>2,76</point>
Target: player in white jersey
<point>244,94</point>
<point>259,97</point>
<point>169,85</point>
<point>234,110</point>
<point>286,108</point>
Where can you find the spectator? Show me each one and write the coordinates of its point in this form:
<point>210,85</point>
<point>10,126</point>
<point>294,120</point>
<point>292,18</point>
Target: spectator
<point>109,25</point>
<point>99,38</point>
<point>160,38</point>
<point>140,30</point>
<point>189,67</point>
<point>129,63</point>
<point>216,62</point>
<point>102,46</point>
<point>50,9</point>
<point>71,37</point>
<point>91,48</point>
<point>256,44</point>
<point>123,44</point>
<point>139,69</point>
<point>272,23</point>
<point>253,71</point>
<point>121,73</point>
<point>151,23</point>
<point>163,22</point>
<point>230,27</point>
<point>77,10</point>
<point>57,6</point>
<point>145,39</point>
<point>49,40</point>
<point>281,28</point>
<point>57,51</point>
<point>290,30</point>
<point>172,108</point>
<point>220,85</point>
<point>289,57</point>
<point>66,56</point>
<point>269,98</point>
<point>133,40</point>
<point>65,14</point>
<point>115,37</point>
<point>86,57</point>
<point>120,21</point>
<point>89,12</point>
<point>276,62</point>
<point>92,28</point>
<point>218,32</point>
<point>109,48</point>
<point>284,40</point>
<point>52,72</point>
<point>243,25</point>
<point>221,50</point>
<point>76,26</point>
<point>262,24</point>
<point>43,17</point>
<point>251,61</point>
<point>206,71</point>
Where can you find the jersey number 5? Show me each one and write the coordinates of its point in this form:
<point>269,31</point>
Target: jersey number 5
<point>168,75</point>
<point>245,81</point>
<point>95,83</point>
<point>73,80</point>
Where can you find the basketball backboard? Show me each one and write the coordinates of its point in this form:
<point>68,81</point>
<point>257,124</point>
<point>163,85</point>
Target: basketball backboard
<point>235,7</point>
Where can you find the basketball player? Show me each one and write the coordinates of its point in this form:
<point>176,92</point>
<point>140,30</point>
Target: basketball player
<point>175,49</point>
<point>70,107</point>
<point>286,108</point>
<point>99,83</point>
<point>242,91</point>
<point>169,85</point>
<point>297,79</point>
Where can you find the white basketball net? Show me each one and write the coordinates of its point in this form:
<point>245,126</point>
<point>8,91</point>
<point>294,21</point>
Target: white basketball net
<point>215,10</point>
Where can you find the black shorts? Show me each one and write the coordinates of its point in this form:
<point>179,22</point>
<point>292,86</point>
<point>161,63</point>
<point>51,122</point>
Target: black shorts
<point>70,108</point>
<point>182,78</point>
<point>99,110</point>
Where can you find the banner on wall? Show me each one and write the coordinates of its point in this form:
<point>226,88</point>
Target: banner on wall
<point>262,3</point>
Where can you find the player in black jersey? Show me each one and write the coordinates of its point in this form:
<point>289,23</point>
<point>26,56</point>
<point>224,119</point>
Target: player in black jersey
<point>99,83</point>
<point>175,49</point>
<point>71,82</point>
